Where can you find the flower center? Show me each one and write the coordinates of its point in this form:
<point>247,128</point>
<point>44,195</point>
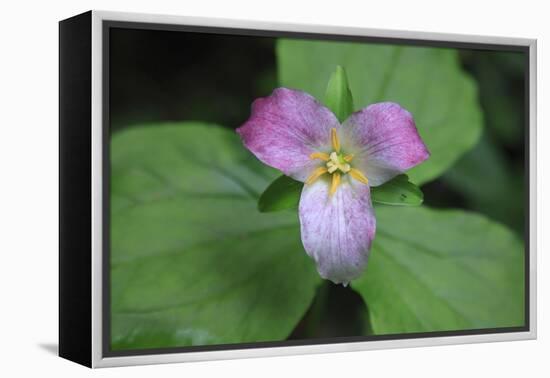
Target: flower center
<point>336,164</point>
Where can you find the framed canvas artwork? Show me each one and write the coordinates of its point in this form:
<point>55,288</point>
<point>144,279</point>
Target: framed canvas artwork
<point>235,189</point>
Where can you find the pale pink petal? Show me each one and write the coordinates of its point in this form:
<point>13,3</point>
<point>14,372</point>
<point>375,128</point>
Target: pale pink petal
<point>285,128</point>
<point>337,230</point>
<point>384,140</point>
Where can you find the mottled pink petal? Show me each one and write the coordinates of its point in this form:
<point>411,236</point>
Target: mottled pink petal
<point>337,230</point>
<point>384,141</point>
<point>285,128</point>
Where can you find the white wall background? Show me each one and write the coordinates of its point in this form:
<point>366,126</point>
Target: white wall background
<point>28,185</point>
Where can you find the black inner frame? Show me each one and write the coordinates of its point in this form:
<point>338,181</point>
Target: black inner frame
<point>106,137</point>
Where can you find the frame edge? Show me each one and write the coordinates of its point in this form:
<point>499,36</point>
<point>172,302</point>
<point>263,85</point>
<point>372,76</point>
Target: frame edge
<point>74,195</point>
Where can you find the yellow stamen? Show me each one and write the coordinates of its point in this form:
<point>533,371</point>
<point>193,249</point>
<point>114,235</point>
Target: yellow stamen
<point>316,174</point>
<point>335,140</point>
<point>336,164</point>
<point>358,175</point>
<point>335,182</point>
<point>319,155</point>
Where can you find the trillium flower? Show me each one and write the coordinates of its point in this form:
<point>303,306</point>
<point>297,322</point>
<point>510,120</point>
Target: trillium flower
<point>338,163</point>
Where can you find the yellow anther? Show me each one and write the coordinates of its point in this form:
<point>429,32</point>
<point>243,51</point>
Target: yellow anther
<point>335,182</point>
<point>348,158</point>
<point>316,174</point>
<point>319,155</point>
<point>335,140</point>
<point>358,175</point>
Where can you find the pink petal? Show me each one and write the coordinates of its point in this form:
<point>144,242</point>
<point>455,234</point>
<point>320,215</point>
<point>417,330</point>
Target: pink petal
<point>384,141</point>
<point>337,230</point>
<point>285,128</point>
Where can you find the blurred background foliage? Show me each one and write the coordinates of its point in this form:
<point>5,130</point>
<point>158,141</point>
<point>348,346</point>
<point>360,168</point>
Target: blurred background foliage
<point>166,76</point>
<point>490,178</point>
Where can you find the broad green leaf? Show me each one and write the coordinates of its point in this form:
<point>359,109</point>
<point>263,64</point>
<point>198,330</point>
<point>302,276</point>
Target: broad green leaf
<point>437,270</point>
<point>283,193</point>
<point>193,261</point>
<point>338,97</point>
<point>426,81</point>
<point>398,191</point>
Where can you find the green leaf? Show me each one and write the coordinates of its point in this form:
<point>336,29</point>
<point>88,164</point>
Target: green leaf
<point>398,191</point>
<point>437,270</point>
<point>338,96</point>
<point>426,81</point>
<point>283,193</point>
<point>193,261</point>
